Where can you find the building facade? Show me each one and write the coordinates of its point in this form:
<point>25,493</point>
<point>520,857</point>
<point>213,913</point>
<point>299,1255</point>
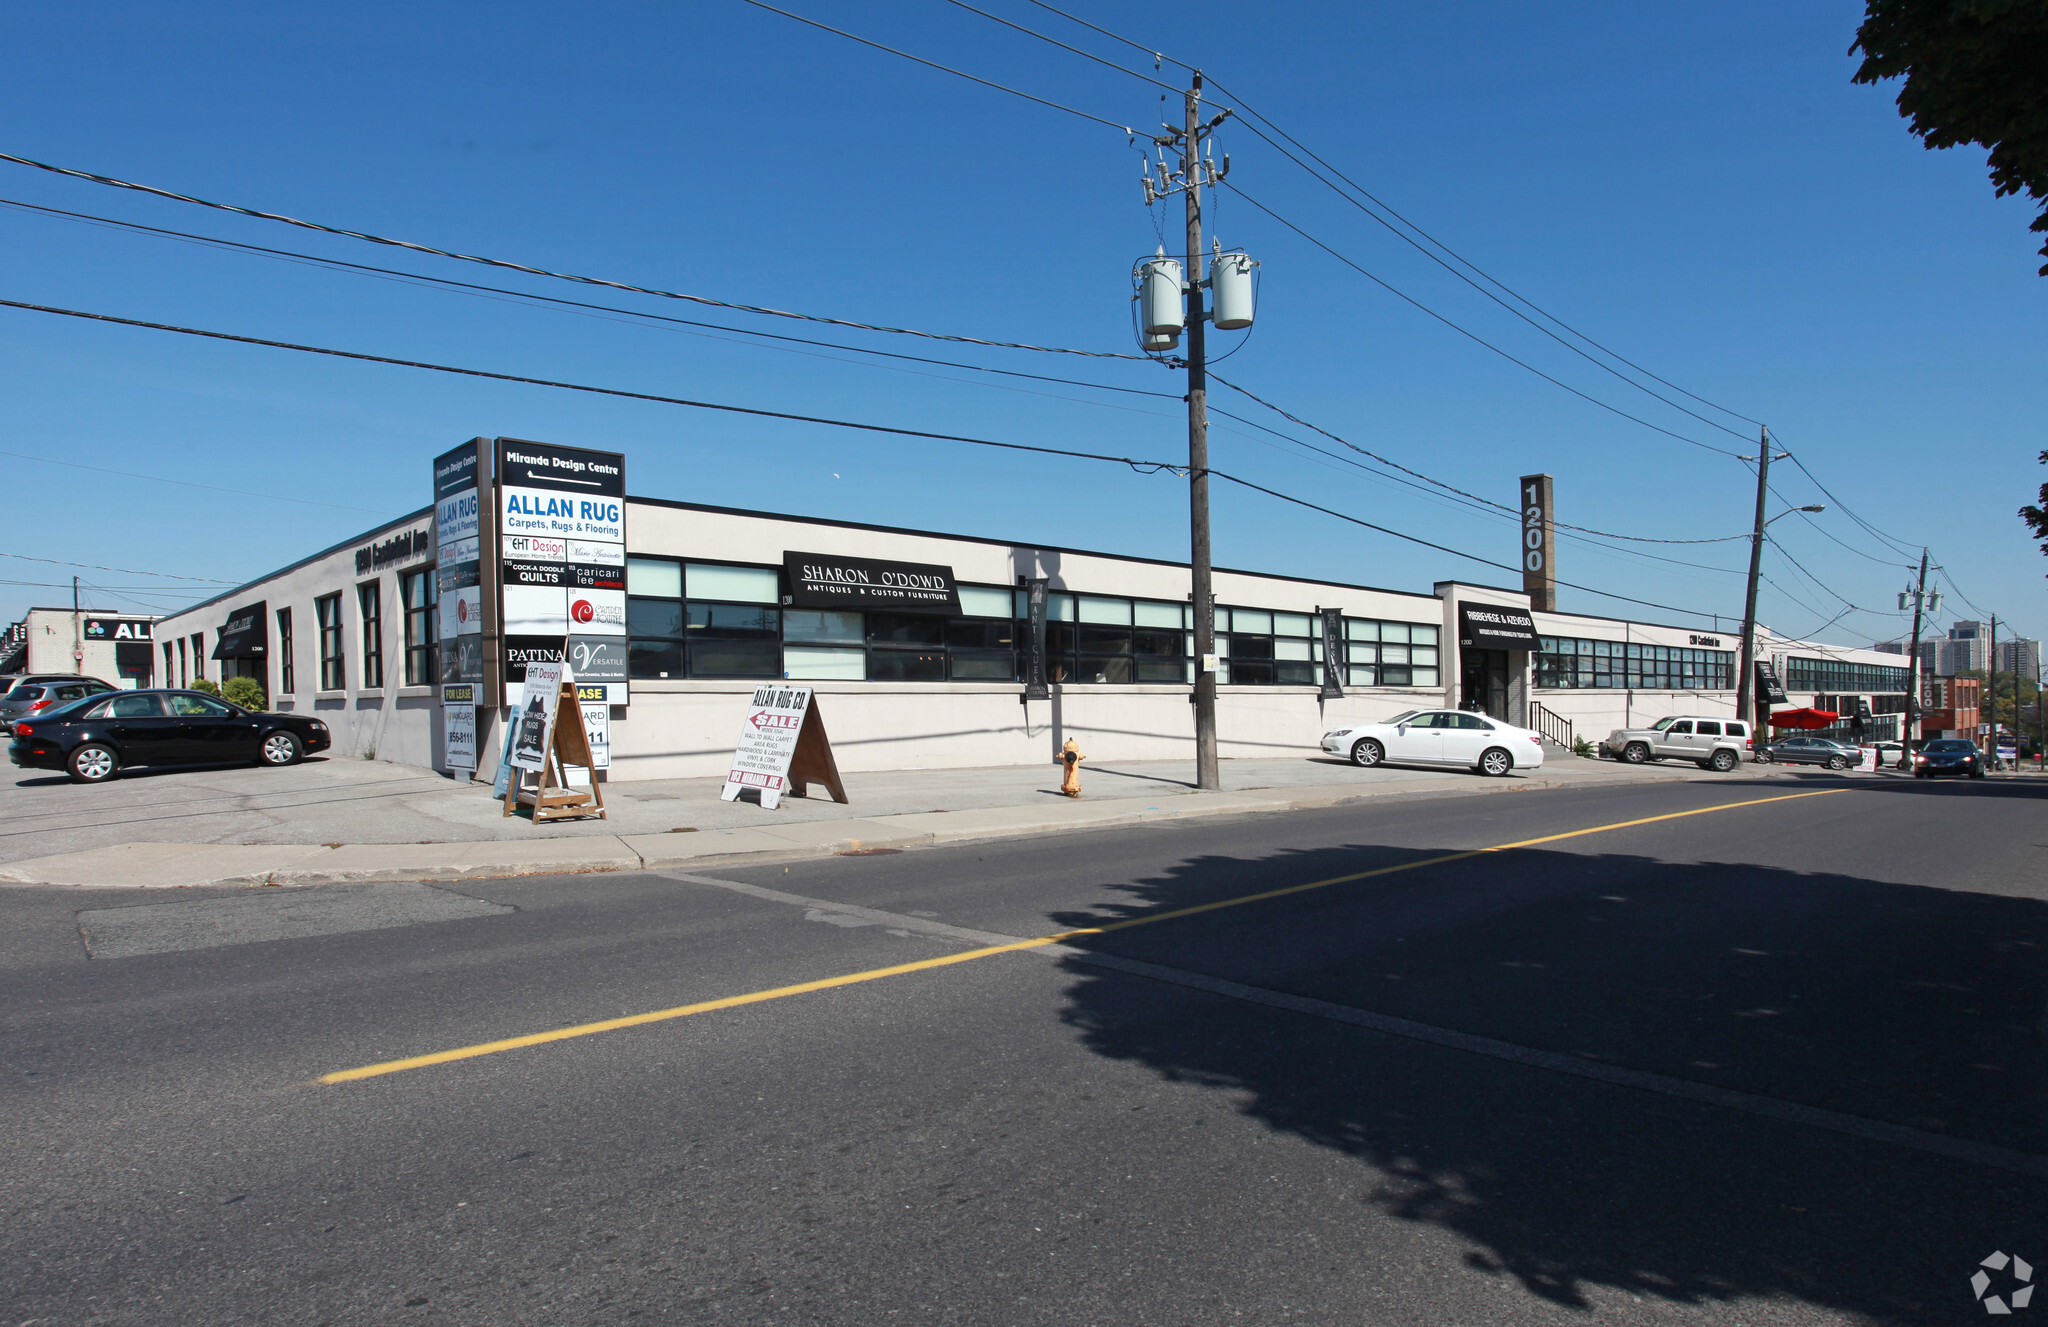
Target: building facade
<point>362,633</point>
<point>114,647</point>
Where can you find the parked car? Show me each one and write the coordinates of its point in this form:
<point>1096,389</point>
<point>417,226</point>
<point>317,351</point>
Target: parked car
<point>1813,751</point>
<point>1949,755</point>
<point>37,692</point>
<point>1888,755</point>
<point>94,737</point>
<point>1717,744</point>
<point>1455,738</point>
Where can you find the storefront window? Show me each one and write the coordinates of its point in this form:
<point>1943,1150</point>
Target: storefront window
<point>1566,662</point>
<point>287,676</point>
<point>733,640</point>
<point>370,598</point>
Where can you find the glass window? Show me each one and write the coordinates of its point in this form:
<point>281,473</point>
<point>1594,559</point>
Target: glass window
<point>1292,624</point>
<point>287,675</point>
<point>661,618</point>
<point>1422,654</point>
<point>746,585</point>
<point>1364,654</point>
<point>1394,632</point>
<point>1354,629</point>
<point>1251,647</point>
<point>327,610</point>
<point>1247,619</point>
<point>1291,649</point>
<point>199,706</point>
<point>1059,608</point>
<point>733,640</point>
<point>1421,633</point>
<point>817,663</point>
<point>654,658</point>
<point>1363,677</point>
<point>1709,728</point>
<point>1160,642</point>
<point>1152,613</point>
<point>416,589</point>
<point>1117,612</point>
<point>370,598</point>
<point>1105,640</point>
<point>981,634</point>
<point>654,576</point>
<point>979,601</point>
<point>983,665</point>
<point>905,629</point>
<point>1682,726</point>
<point>822,627</point>
<point>1253,673</point>
<point>906,665</point>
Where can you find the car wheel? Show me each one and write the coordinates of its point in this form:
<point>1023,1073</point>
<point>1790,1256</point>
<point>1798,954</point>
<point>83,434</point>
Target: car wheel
<point>1495,762</point>
<point>1838,762</point>
<point>1721,761</point>
<point>1367,753</point>
<point>1635,753</point>
<point>281,749</point>
<point>93,764</point>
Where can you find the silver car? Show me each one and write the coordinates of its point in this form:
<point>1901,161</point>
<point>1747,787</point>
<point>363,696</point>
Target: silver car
<point>1716,744</point>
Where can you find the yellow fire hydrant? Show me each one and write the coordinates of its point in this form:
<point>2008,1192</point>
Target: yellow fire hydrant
<point>1071,757</point>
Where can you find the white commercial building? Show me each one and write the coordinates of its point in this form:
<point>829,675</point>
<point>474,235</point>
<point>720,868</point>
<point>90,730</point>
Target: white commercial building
<point>114,647</point>
<point>922,647</point>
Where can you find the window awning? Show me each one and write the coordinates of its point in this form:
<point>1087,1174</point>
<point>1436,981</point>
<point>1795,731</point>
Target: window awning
<point>245,634</point>
<point>1492,627</point>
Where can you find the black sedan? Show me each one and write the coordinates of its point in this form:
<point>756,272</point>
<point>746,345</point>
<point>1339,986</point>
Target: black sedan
<point>93,738</point>
<point>1812,751</point>
<point>1949,755</point>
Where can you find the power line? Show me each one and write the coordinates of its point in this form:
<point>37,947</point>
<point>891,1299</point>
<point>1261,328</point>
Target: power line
<point>1640,539</point>
<point>1244,110</point>
<point>1657,428</point>
<point>1086,55</point>
<point>420,278</point>
<point>1143,467</point>
<point>126,571</point>
<point>115,183</point>
<point>933,64</point>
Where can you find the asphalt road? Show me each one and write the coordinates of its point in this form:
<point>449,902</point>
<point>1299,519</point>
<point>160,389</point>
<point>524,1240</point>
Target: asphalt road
<point>1768,1063</point>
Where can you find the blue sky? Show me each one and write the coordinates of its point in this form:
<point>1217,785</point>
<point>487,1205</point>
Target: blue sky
<point>1701,189</point>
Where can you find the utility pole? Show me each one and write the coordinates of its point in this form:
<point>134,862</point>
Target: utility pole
<point>1745,698</point>
<point>1991,691</point>
<point>77,631</point>
<point>1912,720</point>
<point>1207,775</point>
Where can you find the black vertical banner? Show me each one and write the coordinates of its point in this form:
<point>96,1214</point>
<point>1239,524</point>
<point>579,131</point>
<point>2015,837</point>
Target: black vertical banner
<point>1034,648</point>
<point>1333,654</point>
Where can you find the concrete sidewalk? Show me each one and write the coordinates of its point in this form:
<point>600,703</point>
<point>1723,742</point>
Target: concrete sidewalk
<point>334,821</point>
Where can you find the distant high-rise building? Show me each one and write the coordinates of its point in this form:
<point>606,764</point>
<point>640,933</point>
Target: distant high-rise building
<point>2019,656</point>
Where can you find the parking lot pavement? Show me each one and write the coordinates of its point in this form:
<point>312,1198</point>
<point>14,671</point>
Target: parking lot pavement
<point>116,832</point>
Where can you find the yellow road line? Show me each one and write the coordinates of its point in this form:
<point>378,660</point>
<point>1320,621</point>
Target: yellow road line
<point>969,955</point>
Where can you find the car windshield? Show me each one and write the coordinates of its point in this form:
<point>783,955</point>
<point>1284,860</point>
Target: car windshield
<point>1951,745</point>
<point>1662,724</point>
<point>1403,717</point>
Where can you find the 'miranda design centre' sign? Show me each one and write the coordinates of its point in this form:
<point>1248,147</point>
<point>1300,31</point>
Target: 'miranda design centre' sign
<point>864,585</point>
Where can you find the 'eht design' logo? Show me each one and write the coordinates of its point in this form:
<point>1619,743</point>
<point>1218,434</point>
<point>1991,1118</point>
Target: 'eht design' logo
<point>1980,1282</point>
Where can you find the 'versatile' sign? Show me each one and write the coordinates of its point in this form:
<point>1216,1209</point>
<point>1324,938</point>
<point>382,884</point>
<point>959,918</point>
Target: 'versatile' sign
<point>866,585</point>
<point>782,746</point>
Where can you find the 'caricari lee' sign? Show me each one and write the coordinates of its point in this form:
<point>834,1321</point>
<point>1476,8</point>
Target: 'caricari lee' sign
<point>853,585</point>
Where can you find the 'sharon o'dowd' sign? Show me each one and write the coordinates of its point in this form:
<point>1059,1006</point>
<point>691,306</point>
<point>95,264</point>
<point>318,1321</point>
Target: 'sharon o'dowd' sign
<point>854,585</point>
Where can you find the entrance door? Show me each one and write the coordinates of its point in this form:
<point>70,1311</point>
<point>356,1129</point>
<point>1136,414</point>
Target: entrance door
<point>1484,682</point>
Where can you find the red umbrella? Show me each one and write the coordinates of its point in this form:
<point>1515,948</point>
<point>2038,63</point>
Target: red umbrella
<point>1807,718</point>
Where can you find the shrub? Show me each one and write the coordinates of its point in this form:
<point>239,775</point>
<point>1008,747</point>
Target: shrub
<point>1582,748</point>
<point>205,684</point>
<point>246,692</point>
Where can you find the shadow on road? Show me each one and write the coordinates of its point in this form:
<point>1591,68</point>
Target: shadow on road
<point>1915,1005</point>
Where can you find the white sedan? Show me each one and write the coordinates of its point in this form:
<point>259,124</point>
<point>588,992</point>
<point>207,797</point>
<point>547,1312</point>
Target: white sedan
<point>1439,737</point>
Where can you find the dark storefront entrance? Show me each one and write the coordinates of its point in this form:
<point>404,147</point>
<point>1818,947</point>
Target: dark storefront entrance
<point>1485,682</point>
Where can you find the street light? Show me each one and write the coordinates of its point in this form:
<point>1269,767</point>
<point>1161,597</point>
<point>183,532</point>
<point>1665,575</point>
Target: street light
<point>1818,506</point>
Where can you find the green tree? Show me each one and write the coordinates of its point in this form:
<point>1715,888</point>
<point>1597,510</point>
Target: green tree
<point>205,684</point>
<point>2037,517</point>
<point>1976,71</point>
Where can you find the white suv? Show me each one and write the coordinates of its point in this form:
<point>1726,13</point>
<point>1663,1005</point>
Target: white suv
<point>1716,744</point>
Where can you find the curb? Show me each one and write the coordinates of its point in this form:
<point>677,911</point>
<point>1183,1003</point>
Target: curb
<point>162,865</point>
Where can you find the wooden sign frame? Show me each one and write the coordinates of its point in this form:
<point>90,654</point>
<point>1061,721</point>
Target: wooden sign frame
<point>569,744</point>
